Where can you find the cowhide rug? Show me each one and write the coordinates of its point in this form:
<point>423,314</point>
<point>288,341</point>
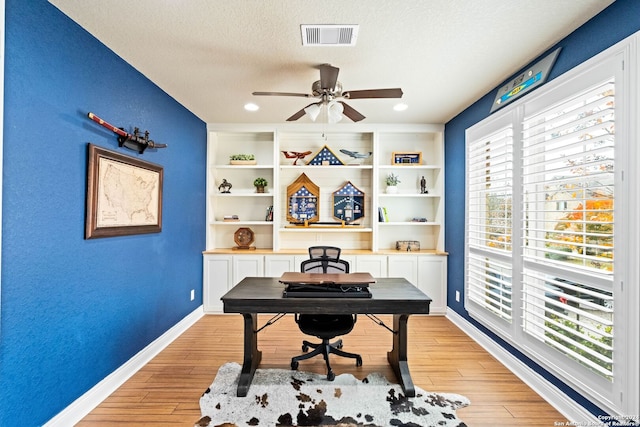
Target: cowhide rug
<point>282,397</point>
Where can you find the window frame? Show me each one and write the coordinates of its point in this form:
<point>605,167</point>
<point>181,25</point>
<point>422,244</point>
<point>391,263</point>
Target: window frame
<point>621,395</point>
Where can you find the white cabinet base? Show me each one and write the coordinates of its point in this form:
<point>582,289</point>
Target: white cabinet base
<point>223,271</point>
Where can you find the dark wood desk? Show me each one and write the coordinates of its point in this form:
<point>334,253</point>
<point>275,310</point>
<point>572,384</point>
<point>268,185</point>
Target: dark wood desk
<point>394,296</point>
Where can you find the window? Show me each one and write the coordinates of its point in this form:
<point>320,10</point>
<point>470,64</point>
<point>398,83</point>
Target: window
<point>546,235</point>
<point>568,211</point>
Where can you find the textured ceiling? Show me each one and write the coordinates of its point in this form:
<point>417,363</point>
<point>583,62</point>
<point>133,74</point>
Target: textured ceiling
<point>210,55</point>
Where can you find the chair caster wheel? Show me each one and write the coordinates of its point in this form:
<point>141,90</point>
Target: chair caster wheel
<point>358,361</point>
<point>339,345</point>
<point>294,365</point>
<point>305,348</point>
<point>331,376</point>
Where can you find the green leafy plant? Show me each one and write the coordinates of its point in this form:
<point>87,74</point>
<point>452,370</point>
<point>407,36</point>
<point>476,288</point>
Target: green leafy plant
<point>392,179</point>
<point>242,157</point>
<point>260,182</point>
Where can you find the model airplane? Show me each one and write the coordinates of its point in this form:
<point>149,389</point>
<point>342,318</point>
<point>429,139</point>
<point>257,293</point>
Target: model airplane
<point>355,154</point>
<point>297,155</point>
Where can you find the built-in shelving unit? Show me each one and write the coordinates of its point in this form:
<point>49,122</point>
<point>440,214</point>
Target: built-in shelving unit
<point>410,214</point>
<point>368,246</point>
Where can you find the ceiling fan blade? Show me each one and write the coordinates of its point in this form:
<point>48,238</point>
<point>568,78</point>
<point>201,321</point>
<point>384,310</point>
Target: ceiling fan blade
<point>304,95</point>
<point>373,93</point>
<point>350,112</point>
<point>301,113</point>
<point>328,76</point>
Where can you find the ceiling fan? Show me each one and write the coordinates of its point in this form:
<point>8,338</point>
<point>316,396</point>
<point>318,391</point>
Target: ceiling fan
<point>327,90</point>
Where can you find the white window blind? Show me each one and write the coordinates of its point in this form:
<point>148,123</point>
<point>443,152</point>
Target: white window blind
<point>568,226</point>
<point>489,221</point>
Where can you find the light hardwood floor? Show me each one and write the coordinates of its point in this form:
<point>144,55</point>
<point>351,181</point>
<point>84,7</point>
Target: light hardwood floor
<point>442,358</point>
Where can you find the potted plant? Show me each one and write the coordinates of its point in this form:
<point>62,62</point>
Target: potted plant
<point>242,159</point>
<point>392,182</point>
<point>260,183</point>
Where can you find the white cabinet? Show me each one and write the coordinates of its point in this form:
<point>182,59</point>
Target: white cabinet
<point>223,271</point>
<point>411,213</point>
<point>217,280</point>
<point>427,272</point>
<point>432,280</point>
<point>376,265</point>
<point>404,266</point>
<point>247,266</point>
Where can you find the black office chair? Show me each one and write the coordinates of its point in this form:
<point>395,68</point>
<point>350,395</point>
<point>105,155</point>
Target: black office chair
<point>325,326</point>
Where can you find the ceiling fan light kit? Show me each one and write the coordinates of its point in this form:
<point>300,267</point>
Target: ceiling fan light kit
<point>327,89</point>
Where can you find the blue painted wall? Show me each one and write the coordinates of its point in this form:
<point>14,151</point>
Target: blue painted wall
<point>612,25</point>
<point>74,310</point>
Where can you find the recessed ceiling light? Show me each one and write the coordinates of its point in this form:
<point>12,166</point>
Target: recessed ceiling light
<point>251,107</point>
<point>400,107</point>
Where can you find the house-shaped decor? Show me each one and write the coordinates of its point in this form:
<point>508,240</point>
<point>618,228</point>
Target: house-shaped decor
<point>348,203</point>
<point>325,157</point>
<point>303,198</point>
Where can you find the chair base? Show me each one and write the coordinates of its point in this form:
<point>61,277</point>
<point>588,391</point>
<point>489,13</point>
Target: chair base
<point>325,348</point>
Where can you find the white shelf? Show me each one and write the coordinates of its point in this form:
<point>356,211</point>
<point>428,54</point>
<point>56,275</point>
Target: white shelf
<point>417,195</point>
<point>314,167</point>
<point>267,142</point>
<point>409,167</point>
<point>243,193</point>
<point>236,223</point>
<point>412,223</point>
<point>243,166</point>
<point>313,229</point>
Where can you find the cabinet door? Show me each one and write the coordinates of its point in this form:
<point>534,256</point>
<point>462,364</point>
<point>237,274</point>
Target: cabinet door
<point>432,280</point>
<point>404,266</point>
<point>376,265</point>
<point>247,266</point>
<point>275,265</point>
<point>216,281</point>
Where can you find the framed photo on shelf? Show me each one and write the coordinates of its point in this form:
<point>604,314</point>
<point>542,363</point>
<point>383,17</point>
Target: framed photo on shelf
<point>402,158</point>
<point>303,199</point>
<point>348,203</point>
<point>124,195</point>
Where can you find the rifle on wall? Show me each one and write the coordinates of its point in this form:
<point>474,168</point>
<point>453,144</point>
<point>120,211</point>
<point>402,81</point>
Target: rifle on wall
<point>133,141</point>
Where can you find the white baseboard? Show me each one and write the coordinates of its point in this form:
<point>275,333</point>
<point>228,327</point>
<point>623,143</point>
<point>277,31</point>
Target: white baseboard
<point>75,412</point>
<point>553,395</point>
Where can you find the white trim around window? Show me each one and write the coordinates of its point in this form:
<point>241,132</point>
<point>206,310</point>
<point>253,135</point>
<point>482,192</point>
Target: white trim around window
<point>552,234</point>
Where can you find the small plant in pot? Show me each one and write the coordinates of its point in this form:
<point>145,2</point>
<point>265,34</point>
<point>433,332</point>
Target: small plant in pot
<point>260,183</point>
<point>392,180</point>
<point>242,159</point>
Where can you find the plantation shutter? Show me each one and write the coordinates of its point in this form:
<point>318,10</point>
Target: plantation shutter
<point>489,223</point>
<point>568,190</point>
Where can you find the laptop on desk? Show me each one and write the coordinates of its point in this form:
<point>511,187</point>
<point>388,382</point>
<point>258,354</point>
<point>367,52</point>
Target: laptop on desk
<point>330,285</point>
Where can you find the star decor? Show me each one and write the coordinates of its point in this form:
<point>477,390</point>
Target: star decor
<point>348,203</point>
<point>303,198</point>
<point>325,157</point>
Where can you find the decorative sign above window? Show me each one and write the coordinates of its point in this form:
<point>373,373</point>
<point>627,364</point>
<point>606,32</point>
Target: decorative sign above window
<point>531,78</point>
<point>325,157</point>
<point>303,198</point>
<point>348,203</point>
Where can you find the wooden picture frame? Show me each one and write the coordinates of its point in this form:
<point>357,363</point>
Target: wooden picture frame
<point>348,203</point>
<point>303,200</point>
<point>406,158</point>
<point>124,195</point>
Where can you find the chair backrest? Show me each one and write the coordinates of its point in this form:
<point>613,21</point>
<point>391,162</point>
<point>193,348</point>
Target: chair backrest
<point>324,265</point>
<point>324,252</point>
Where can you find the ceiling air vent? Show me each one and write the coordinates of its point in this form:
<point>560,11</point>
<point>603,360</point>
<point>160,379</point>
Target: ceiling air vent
<point>329,35</point>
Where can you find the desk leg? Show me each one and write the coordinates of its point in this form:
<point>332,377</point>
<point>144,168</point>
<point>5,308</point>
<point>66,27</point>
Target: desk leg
<point>252,356</point>
<point>397,357</point>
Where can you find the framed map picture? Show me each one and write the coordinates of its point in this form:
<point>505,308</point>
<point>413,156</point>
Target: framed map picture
<point>124,195</point>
